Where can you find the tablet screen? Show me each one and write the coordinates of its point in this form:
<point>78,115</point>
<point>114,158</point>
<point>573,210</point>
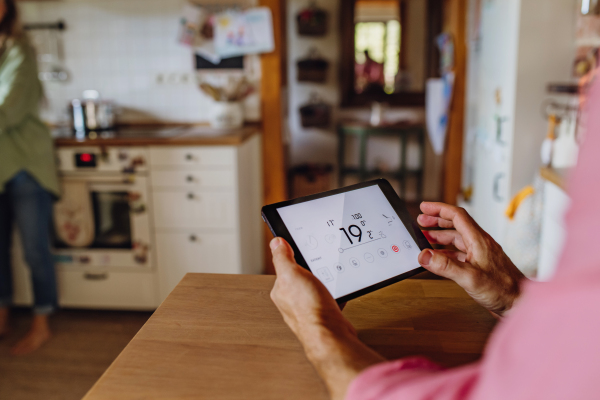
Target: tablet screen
<point>351,240</point>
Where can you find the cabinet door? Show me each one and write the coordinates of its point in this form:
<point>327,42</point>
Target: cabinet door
<point>553,235</point>
<point>498,71</point>
<point>493,111</point>
<point>194,179</point>
<point>191,157</point>
<point>194,209</point>
<point>490,191</point>
<point>107,289</point>
<point>180,253</point>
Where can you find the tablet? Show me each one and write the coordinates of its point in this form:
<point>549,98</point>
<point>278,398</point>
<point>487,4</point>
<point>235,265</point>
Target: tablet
<point>355,240</point>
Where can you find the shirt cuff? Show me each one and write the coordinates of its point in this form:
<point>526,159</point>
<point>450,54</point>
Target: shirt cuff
<point>375,381</point>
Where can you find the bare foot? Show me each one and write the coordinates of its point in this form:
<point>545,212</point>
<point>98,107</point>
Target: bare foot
<point>35,338</point>
<point>3,322</point>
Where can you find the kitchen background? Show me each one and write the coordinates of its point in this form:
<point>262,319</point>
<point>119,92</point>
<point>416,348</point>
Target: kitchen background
<point>518,65</point>
<point>128,51</point>
<point>319,145</point>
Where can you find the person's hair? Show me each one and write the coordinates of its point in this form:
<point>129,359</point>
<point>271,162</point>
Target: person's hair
<point>10,27</point>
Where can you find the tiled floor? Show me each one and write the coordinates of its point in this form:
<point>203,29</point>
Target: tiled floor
<point>84,344</point>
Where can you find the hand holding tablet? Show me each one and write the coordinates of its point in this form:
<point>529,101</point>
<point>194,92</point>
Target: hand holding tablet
<point>354,240</point>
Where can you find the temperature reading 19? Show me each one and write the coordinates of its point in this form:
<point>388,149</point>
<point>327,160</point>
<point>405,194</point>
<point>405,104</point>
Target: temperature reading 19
<point>353,232</point>
<point>356,216</point>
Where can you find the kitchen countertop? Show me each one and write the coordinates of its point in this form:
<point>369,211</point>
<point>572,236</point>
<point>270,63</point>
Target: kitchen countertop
<point>146,135</point>
<point>221,337</point>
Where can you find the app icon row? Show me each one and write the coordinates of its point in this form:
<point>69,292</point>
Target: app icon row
<point>312,243</point>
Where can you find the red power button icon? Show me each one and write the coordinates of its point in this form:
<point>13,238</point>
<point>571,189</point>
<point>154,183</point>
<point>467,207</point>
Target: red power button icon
<point>395,248</point>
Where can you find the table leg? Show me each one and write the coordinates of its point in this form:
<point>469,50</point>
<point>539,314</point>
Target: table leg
<point>420,177</point>
<point>341,155</point>
<point>403,152</point>
<point>363,158</point>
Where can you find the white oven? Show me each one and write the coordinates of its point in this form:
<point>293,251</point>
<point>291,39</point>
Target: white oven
<point>102,219</point>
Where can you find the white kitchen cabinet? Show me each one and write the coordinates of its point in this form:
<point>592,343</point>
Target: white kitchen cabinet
<point>107,289</point>
<point>523,46</point>
<point>219,179</point>
<point>553,232</point>
<point>190,251</point>
<point>194,209</point>
<point>206,210</point>
<point>203,215</point>
<point>86,287</point>
<point>192,157</point>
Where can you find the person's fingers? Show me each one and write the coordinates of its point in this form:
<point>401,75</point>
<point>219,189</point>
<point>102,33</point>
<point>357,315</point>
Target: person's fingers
<point>437,262</point>
<point>283,255</point>
<point>461,220</point>
<point>455,255</point>
<point>427,221</point>
<point>445,238</point>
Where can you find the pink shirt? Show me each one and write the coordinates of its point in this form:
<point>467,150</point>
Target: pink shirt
<point>549,346</point>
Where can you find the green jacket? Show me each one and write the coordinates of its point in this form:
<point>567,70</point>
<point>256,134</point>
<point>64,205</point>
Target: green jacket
<point>25,142</point>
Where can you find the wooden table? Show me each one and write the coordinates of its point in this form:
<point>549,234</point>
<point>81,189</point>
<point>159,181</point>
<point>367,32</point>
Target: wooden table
<point>221,337</point>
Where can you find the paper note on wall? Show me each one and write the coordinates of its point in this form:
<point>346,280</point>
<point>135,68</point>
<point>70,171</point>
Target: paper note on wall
<point>437,105</point>
<point>246,32</point>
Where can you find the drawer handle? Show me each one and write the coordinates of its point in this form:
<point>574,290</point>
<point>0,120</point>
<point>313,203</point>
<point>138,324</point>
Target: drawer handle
<point>497,187</point>
<point>96,277</point>
<point>191,196</point>
<point>194,238</point>
<point>189,157</point>
<point>190,178</point>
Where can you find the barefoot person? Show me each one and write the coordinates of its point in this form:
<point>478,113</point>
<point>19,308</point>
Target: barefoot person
<point>546,346</point>
<point>28,180</point>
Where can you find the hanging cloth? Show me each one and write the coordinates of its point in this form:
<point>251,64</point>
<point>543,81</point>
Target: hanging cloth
<point>74,215</point>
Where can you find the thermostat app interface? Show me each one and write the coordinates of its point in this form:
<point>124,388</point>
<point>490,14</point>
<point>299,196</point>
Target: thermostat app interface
<point>351,240</point>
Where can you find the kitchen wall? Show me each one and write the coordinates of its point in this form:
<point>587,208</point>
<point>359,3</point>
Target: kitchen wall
<point>320,145</point>
<point>128,51</point>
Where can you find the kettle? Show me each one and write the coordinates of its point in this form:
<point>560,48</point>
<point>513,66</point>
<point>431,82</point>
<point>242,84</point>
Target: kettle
<point>91,114</point>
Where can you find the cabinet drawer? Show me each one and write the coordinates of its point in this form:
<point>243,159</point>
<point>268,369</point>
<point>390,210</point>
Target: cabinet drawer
<point>180,253</point>
<point>193,209</point>
<point>103,289</point>
<point>221,179</point>
<point>192,157</point>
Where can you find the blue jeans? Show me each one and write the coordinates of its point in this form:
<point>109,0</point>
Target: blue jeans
<point>27,204</point>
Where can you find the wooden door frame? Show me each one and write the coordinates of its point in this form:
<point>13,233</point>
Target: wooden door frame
<point>273,147</point>
<point>455,23</point>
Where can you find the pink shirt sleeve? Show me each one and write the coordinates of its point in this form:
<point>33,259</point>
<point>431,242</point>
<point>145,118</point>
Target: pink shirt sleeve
<point>549,347</point>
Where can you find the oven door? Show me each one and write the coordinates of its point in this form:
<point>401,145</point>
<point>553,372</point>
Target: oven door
<point>119,222</point>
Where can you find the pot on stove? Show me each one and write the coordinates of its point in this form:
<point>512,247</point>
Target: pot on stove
<point>92,114</point>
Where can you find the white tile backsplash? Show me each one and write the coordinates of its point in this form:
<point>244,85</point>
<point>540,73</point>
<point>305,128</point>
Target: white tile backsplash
<point>120,48</point>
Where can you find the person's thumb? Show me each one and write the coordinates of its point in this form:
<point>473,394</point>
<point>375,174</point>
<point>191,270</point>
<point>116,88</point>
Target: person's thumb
<point>283,255</point>
<point>440,264</point>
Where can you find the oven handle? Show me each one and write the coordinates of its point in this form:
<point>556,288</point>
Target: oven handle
<point>126,180</point>
<point>96,277</point>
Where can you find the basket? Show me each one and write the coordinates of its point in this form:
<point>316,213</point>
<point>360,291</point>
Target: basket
<point>315,114</point>
<point>313,68</point>
<point>307,179</point>
<point>312,21</point>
